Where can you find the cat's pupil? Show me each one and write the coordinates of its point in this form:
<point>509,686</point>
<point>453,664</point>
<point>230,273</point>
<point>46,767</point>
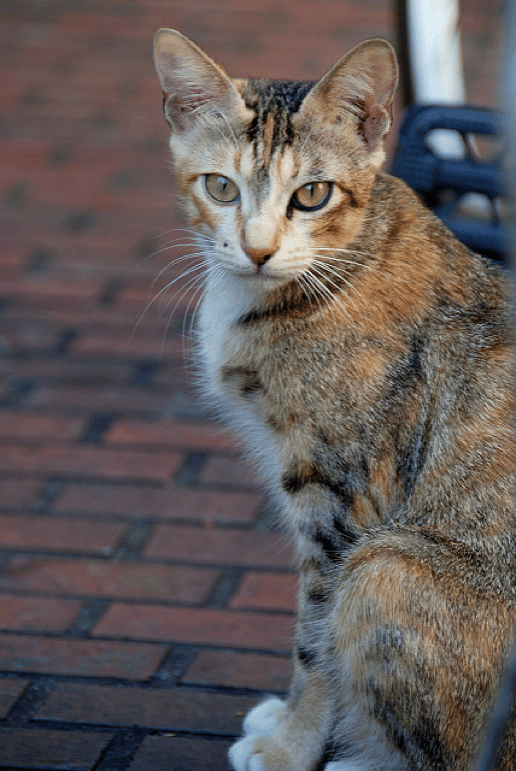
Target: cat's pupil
<point>313,195</point>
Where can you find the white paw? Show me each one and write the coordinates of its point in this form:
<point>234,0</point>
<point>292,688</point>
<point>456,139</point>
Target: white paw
<point>264,718</point>
<point>242,758</point>
<point>261,721</point>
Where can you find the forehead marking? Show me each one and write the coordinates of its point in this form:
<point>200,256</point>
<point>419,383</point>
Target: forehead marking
<point>273,104</point>
<point>247,163</point>
<point>288,165</point>
<point>267,140</point>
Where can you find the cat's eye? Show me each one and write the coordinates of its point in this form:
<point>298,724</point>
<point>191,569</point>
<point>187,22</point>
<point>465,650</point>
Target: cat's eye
<point>312,196</point>
<point>221,189</point>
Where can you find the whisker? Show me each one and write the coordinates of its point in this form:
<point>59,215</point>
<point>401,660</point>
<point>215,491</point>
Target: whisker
<point>218,275</point>
<point>331,270</point>
<point>182,288</point>
<point>195,238</point>
<point>159,296</point>
<point>196,280</point>
<point>324,275</point>
<point>171,264</point>
<point>304,283</point>
<point>323,291</point>
<point>194,235</point>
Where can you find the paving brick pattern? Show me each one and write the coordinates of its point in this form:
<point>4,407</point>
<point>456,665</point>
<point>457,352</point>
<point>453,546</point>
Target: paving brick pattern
<point>145,600</point>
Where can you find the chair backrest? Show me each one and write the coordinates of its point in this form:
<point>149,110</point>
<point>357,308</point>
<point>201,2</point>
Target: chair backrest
<point>463,188</point>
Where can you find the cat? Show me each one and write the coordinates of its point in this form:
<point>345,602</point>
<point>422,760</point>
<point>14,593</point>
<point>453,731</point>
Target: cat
<point>363,356</point>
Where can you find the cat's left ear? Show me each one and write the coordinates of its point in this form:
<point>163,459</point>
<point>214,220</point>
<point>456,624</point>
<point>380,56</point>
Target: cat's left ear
<point>361,84</point>
<point>192,83</point>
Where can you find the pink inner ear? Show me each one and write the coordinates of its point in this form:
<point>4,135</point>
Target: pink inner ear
<point>376,124</point>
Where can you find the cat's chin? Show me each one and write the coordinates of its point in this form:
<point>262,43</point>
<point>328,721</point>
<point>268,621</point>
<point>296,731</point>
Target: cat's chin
<point>262,281</point>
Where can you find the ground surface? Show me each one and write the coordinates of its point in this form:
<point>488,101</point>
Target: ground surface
<point>144,603</point>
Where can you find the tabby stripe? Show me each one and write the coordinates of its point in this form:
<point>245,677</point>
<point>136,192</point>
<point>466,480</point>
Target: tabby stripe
<point>352,201</point>
<point>328,545</point>
<point>335,544</point>
<point>346,535</point>
<point>307,658</point>
<point>246,379</point>
<point>318,596</point>
<point>295,482</point>
<point>421,744</point>
<point>299,306</point>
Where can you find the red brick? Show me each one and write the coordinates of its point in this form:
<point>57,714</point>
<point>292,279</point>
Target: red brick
<point>218,545</point>
<point>68,371</point>
<point>106,579</point>
<point>163,303</point>
<point>10,692</point>
<point>80,317</point>
<point>89,462</point>
<point>169,503</point>
<point>17,425</point>
<point>180,710</point>
<point>38,748</point>
<point>240,670</point>
<point>197,625</point>
<point>177,753</point>
<point>12,263</point>
<point>267,591</point>
<point>23,154</point>
<point>48,185</point>
<point>27,337</point>
<point>84,658</point>
<point>16,493</point>
<point>106,397</point>
<point>222,470</point>
<point>52,534</point>
<point>105,262</point>
<point>125,345</point>
<point>170,433</point>
<point>40,614</point>
<point>48,288</point>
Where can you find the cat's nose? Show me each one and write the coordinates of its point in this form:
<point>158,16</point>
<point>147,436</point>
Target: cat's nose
<point>258,256</point>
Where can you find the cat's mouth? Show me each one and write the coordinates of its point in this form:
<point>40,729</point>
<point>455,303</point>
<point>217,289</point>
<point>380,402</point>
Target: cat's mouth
<point>263,275</point>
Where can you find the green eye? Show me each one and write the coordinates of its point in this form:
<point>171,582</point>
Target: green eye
<point>221,188</point>
<point>312,196</point>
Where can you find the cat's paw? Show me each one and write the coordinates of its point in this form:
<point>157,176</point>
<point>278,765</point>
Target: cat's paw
<point>243,756</point>
<point>248,753</point>
<point>261,752</point>
<point>264,718</point>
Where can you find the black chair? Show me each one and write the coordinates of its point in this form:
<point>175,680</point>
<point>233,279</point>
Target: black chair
<point>446,183</point>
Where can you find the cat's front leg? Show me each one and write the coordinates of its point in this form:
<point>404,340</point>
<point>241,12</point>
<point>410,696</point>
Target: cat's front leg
<point>286,735</point>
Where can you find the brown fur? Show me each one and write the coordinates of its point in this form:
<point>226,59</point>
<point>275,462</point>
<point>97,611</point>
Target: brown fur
<point>363,356</point>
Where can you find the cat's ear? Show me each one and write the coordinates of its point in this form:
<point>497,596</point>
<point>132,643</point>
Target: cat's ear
<point>362,83</point>
<point>192,83</point>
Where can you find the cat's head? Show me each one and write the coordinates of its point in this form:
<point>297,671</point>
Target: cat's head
<point>276,174</point>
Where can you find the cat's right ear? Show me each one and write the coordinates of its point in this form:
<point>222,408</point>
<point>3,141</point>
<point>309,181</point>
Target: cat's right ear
<point>361,85</point>
<point>192,83</point>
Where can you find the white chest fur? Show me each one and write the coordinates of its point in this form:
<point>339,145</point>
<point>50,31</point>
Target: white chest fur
<point>223,344</point>
<point>223,304</point>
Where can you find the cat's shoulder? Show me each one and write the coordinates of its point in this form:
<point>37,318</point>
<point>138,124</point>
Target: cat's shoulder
<point>405,216</point>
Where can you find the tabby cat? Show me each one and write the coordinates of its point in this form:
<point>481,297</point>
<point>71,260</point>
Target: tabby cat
<point>362,354</point>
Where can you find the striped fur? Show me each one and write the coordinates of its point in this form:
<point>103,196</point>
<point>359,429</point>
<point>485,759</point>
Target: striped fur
<point>363,356</point>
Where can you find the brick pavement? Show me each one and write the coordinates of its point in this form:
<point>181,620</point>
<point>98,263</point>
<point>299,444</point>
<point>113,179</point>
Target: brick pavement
<point>145,603</point>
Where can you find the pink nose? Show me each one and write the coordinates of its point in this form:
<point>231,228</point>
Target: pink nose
<point>258,256</point>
